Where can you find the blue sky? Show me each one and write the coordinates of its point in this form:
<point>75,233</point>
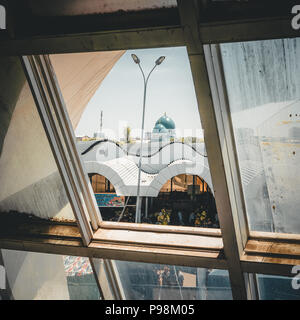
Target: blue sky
<point>120,95</point>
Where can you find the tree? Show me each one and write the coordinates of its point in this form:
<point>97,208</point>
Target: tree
<point>127,131</point>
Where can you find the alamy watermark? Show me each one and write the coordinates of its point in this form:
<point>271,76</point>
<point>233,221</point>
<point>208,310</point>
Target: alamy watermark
<point>2,17</point>
<point>296,19</point>
<point>2,278</point>
<point>296,279</point>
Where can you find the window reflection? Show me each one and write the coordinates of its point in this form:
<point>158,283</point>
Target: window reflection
<point>80,279</point>
<point>145,281</point>
<point>276,288</point>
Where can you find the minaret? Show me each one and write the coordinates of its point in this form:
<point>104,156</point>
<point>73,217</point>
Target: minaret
<point>100,134</point>
<point>101,117</point>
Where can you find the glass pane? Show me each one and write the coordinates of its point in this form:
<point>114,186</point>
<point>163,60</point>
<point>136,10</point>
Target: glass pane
<point>263,85</point>
<point>103,92</point>
<point>145,281</point>
<point>276,288</point>
<point>30,181</point>
<point>39,276</point>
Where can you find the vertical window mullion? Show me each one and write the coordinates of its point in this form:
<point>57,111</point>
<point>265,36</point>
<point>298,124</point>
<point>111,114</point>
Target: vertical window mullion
<point>225,129</point>
<point>190,24</point>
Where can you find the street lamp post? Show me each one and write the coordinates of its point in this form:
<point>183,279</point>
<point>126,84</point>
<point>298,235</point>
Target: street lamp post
<point>137,61</point>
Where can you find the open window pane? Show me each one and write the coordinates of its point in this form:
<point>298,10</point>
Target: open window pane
<point>145,281</point>
<point>31,184</point>
<point>263,82</point>
<point>103,92</point>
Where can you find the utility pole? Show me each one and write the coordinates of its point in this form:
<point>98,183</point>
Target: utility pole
<point>138,198</point>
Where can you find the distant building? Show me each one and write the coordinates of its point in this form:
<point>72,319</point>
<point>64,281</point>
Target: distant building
<point>164,129</point>
<point>84,138</point>
<point>162,159</point>
<point>99,135</point>
<point>148,135</point>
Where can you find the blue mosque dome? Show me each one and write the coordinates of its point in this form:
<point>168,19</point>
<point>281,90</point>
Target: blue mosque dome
<point>167,122</point>
<point>164,129</point>
<point>159,128</point>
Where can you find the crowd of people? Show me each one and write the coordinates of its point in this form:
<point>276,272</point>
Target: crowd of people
<point>175,208</point>
<point>198,217</point>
